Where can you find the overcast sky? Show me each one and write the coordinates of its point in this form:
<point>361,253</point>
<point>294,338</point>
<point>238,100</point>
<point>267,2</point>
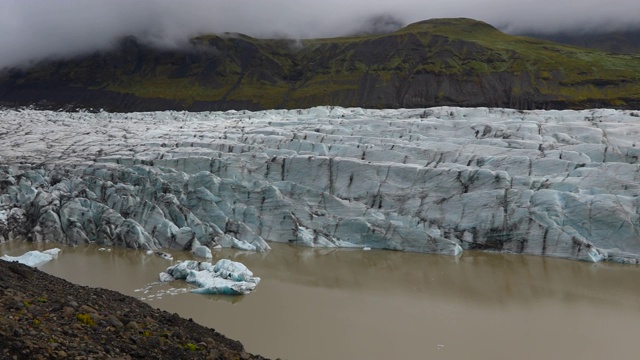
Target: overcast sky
<point>33,29</point>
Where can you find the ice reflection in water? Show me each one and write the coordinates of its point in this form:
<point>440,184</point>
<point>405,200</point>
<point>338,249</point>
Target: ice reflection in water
<point>319,303</point>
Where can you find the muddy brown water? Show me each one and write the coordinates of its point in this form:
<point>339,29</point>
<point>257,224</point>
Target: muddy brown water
<point>346,304</point>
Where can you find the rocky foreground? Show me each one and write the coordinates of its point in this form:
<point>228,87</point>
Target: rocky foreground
<point>439,180</point>
<point>44,317</point>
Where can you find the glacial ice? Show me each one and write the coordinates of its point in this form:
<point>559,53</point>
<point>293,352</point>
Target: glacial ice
<point>33,258</point>
<point>226,277</point>
<point>438,180</point>
<point>203,252</point>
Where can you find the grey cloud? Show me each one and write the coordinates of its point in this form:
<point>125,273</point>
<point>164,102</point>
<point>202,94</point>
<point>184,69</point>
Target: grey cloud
<point>31,30</point>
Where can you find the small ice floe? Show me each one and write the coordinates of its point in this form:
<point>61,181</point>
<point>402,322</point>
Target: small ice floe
<point>104,249</point>
<point>164,255</point>
<point>146,288</point>
<point>34,258</point>
<point>366,248</point>
<point>160,293</point>
<point>226,277</point>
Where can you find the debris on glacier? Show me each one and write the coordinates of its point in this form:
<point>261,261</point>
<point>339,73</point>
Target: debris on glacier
<point>226,277</point>
<point>438,180</point>
<point>33,258</point>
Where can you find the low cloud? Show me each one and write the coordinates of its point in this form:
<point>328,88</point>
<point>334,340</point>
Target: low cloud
<point>32,30</point>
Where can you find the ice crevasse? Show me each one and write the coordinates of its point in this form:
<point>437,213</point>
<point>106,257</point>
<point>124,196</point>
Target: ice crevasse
<point>439,180</point>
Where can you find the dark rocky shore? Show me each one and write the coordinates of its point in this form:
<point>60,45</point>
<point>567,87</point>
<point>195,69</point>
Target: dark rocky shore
<point>45,317</point>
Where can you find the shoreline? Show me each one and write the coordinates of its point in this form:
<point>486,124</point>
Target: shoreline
<point>47,317</point>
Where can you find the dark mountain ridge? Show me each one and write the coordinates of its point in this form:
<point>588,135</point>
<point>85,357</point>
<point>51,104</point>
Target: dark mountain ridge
<point>621,42</point>
<point>458,62</point>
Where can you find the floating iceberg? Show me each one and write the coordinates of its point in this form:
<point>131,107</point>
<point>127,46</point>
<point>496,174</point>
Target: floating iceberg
<point>226,277</point>
<point>164,255</point>
<point>34,258</point>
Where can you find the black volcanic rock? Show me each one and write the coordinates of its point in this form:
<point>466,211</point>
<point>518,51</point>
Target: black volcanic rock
<point>45,317</point>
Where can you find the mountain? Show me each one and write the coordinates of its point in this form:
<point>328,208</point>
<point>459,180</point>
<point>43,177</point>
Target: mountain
<point>622,42</point>
<point>437,62</point>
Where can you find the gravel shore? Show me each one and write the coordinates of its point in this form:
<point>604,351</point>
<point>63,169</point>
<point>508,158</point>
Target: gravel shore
<point>45,317</point>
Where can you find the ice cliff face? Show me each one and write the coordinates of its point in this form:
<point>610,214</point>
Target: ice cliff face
<point>557,183</point>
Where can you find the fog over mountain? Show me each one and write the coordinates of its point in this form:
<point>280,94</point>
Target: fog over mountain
<point>31,30</point>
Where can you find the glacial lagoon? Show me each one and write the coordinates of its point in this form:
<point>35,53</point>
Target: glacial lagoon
<point>441,180</point>
<point>355,304</point>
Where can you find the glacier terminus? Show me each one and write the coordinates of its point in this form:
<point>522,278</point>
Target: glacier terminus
<point>438,180</point>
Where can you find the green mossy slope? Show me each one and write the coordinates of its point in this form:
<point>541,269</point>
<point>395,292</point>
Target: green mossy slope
<point>459,62</point>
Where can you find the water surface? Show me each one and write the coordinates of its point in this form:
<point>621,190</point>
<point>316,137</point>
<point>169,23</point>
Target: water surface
<point>346,304</point>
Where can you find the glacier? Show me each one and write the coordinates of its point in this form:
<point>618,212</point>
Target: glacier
<point>226,277</point>
<point>559,183</point>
